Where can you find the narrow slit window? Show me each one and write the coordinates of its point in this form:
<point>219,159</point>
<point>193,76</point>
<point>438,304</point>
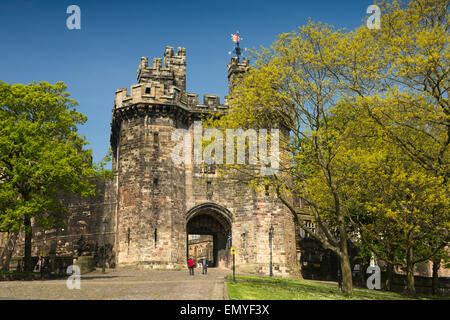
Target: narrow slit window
<point>156,140</point>
<point>156,236</point>
<point>155,184</point>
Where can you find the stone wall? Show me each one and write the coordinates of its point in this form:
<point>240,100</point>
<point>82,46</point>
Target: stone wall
<point>84,221</point>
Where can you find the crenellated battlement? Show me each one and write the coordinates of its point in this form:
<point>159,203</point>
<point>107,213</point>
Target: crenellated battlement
<point>164,83</point>
<point>210,102</point>
<point>157,93</point>
<point>151,93</point>
<point>172,72</point>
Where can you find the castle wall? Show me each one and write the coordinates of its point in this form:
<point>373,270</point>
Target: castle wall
<point>84,221</point>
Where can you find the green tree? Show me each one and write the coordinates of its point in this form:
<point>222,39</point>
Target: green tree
<point>42,159</point>
<point>368,119</point>
<point>404,210</point>
<point>397,78</point>
<point>290,88</point>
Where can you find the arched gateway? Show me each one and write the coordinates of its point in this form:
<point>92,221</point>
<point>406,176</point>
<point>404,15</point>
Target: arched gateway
<point>210,219</point>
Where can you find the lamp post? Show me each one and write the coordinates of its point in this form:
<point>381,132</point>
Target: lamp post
<point>270,245</point>
<point>105,222</point>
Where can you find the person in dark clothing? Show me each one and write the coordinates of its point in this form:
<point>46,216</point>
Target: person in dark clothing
<point>205,266</point>
<point>191,265</point>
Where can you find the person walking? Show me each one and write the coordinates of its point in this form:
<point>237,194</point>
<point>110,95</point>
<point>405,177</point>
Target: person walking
<point>205,266</point>
<point>191,265</point>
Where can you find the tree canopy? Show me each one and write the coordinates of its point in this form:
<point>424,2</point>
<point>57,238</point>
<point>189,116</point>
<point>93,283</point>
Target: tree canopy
<point>368,117</point>
<point>42,157</point>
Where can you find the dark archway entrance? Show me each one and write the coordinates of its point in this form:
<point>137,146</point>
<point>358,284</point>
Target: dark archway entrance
<point>209,225</point>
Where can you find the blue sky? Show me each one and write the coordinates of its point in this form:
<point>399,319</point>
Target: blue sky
<point>104,55</point>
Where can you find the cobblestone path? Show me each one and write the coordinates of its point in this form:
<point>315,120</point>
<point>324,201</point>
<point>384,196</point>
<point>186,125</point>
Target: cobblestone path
<point>125,284</point>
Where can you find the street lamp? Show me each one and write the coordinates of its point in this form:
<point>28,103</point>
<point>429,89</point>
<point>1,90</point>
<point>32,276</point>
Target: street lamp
<point>270,245</point>
<point>105,222</point>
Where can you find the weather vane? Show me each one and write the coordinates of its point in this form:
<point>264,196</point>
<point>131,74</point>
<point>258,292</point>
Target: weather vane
<point>237,50</point>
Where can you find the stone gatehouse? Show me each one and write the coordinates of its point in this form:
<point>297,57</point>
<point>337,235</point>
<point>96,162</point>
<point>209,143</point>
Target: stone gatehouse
<point>146,213</point>
<point>160,203</point>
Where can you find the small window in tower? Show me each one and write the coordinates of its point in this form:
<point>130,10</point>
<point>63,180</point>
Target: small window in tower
<point>155,184</point>
<point>267,190</point>
<point>156,139</point>
<point>147,90</point>
<point>156,236</point>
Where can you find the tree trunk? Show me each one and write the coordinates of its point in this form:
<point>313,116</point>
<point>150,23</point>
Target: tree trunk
<point>435,279</point>
<point>3,265</point>
<point>8,250</point>
<point>389,276</point>
<point>346,269</point>
<point>410,289</point>
<point>27,252</point>
<point>347,282</point>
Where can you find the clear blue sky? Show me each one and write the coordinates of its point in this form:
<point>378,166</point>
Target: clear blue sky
<point>104,55</point>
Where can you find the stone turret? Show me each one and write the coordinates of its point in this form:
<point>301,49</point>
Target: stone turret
<point>236,69</point>
<point>164,83</point>
<point>172,73</point>
<point>177,63</point>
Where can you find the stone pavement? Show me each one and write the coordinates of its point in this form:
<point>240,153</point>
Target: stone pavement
<point>125,284</point>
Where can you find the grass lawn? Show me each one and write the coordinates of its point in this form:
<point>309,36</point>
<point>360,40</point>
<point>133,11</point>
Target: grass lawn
<point>18,275</point>
<point>264,288</point>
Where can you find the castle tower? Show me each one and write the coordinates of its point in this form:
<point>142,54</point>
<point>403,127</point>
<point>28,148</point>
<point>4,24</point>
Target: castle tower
<point>160,203</point>
<point>150,188</point>
<point>236,69</point>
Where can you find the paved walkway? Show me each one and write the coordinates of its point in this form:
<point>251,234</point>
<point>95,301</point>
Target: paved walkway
<point>125,284</point>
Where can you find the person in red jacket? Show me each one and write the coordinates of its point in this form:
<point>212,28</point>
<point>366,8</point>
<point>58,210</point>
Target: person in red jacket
<point>191,265</point>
